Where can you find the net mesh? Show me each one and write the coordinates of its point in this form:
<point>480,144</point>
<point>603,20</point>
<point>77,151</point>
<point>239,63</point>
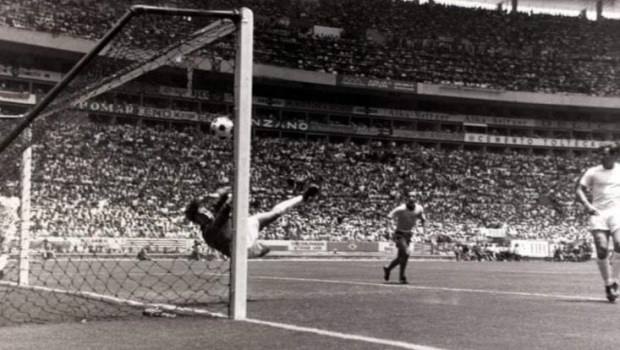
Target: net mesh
<point>107,234</point>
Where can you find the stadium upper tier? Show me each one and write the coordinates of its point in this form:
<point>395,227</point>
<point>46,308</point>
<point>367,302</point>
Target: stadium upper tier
<point>384,39</point>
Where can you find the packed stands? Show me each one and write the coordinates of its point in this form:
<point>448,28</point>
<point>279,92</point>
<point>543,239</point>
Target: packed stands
<point>386,39</point>
<point>105,179</point>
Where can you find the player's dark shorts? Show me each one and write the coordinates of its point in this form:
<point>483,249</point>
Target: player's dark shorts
<point>398,235</point>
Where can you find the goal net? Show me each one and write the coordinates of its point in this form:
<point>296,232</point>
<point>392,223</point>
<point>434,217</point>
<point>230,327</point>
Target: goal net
<point>96,177</point>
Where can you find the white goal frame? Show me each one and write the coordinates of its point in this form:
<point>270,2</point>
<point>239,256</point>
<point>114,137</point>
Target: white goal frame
<point>244,20</point>
<point>242,155</point>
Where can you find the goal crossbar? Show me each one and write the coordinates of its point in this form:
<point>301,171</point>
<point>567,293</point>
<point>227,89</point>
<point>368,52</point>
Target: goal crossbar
<point>96,50</point>
<point>207,35</point>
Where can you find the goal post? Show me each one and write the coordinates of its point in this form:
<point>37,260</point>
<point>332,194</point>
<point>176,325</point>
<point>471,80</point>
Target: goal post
<point>243,121</point>
<point>24,211</point>
<point>101,259</point>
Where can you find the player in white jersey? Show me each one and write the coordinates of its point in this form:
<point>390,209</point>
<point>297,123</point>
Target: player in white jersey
<point>9,207</point>
<point>404,218</point>
<point>603,183</point>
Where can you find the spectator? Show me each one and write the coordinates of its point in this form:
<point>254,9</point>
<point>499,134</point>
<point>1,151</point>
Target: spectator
<point>48,250</point>
<point>143,254</point>
<point>516,252</point>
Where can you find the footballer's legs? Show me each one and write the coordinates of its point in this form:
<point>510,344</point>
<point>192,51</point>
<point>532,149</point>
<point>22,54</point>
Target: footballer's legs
<point>614,260</point>
<point>601,241</point>
<point>388,269</point>
<point>401,260</point>
<point>4,258</point>
<point>258,251</point>
<point>266,218</point>
<point>255,249</point>
<point>395,262</point>
<point>403,256</point>
<point>259,221</point>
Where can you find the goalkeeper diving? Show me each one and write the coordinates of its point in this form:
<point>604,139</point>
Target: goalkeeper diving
<point>215,224</point>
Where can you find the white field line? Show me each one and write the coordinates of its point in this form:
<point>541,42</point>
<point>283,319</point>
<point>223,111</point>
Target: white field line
<point>345,336</point>
<point>387,342</point>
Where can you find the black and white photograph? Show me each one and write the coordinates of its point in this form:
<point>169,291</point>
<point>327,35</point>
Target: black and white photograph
<point>309,174</point>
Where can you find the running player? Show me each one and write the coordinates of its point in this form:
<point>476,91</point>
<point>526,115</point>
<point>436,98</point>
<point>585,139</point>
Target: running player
<point>603,182</point>
<point>404,218</point>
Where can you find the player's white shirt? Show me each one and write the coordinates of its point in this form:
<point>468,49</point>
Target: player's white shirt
<point>406,219</point>
<point>604,184</point>
<point>9,202</point>
<point>8,215</point>
<point>8,229</point>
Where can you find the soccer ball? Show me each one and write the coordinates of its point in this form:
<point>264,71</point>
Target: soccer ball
<point>222,128</point>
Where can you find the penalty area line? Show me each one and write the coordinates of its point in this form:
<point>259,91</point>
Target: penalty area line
<point>345,336</point>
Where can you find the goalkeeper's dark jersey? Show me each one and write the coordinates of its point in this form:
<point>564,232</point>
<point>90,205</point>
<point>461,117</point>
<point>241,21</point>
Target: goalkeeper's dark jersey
<point>216,232</point>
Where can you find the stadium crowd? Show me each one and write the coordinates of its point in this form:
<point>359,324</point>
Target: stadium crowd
<point>386,39</point>
<point>102,179</point>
